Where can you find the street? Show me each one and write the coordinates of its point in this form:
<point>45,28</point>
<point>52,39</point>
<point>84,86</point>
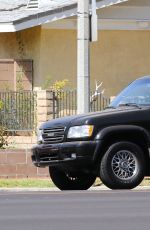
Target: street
<point>75,210</point>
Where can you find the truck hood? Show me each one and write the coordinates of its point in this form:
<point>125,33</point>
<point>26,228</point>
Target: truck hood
<point>121,115</point>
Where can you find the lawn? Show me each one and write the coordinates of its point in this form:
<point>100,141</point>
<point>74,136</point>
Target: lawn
<point>26,183</point>
<point>45,183</point>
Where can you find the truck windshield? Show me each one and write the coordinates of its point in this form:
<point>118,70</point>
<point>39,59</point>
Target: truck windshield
<point>137,93</point>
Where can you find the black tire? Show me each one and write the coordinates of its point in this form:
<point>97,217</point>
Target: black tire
<point>122,166</point>
<point>78,181</point>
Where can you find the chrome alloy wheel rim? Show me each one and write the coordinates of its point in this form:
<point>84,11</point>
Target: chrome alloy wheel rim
<point>124,164</point>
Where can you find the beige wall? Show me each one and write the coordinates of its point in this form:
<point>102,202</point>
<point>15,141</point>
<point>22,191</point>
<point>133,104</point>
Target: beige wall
<point>58,51</point>
<point>117,58</point>
<point>22,45</point>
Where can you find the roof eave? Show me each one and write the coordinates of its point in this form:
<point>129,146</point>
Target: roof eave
<point>7,27</point>
<point>46,17</point>
<point>50,16</point>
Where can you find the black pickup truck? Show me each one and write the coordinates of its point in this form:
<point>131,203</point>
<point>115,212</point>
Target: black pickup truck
<point>112,144</point>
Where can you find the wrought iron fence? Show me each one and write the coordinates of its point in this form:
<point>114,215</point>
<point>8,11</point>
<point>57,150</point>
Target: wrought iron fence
<point>65,103</point>
<point>98,102</point>
<point>18,110</point>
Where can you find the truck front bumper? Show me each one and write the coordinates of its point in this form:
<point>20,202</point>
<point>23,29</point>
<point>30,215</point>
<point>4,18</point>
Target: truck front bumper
<point>80,152</point>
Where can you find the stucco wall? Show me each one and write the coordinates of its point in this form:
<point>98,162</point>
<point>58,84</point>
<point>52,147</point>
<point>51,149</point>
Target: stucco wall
<point>117,58</point>
<point>22,45</point>
<point>58,51</point>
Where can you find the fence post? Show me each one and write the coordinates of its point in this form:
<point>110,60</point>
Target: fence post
<point>44,106</point>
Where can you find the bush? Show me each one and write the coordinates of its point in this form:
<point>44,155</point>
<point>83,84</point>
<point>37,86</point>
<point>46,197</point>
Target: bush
<point>1,104</point>
<point>3,137</point>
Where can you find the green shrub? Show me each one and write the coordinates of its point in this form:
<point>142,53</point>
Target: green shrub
<point>3,137</point>
<point>1,104</point>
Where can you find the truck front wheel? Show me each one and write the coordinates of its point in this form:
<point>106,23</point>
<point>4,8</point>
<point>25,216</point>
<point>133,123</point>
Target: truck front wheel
<point>71,181</point>
<point>122,166</point>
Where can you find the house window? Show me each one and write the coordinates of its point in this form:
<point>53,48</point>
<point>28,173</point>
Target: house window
<point>16,74</point>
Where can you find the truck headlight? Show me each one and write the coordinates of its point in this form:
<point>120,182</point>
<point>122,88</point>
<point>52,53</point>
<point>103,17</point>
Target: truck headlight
<point>39,136</point>
<point>80,131</point>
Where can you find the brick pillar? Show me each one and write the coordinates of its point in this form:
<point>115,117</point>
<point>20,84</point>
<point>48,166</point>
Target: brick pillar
<point>44,106</point>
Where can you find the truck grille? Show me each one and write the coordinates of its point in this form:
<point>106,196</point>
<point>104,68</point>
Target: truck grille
<point>53,135</point>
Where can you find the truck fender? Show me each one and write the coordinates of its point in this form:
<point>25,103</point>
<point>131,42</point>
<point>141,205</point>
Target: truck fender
<point>105,133</point>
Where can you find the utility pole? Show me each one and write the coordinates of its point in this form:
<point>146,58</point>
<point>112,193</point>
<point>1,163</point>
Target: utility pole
<point>83,62</point>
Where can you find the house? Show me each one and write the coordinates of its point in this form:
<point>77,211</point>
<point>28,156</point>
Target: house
<point>38,42</point>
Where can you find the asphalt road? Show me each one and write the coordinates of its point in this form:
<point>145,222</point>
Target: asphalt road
<point>81,210</point>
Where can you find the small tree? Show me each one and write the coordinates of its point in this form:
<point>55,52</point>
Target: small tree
<point>3,132</point>
<point>3,137</point>
<point>59,85</point>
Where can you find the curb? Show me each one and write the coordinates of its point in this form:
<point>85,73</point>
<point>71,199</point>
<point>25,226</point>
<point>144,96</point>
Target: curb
<point>96,188</point>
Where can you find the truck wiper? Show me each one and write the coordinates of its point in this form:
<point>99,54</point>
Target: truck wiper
<point>110,107</point>
<point>130,104</point>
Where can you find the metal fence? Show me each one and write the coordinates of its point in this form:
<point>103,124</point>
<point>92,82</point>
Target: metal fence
<point>18,110</point>
<point>65,103</point>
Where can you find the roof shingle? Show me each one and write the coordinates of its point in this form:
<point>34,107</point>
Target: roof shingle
<point>17,9</point>
<point>17,16</point>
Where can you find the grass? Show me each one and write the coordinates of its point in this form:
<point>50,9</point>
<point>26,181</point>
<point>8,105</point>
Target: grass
<point>26,183</point>
<point>45,183</point>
